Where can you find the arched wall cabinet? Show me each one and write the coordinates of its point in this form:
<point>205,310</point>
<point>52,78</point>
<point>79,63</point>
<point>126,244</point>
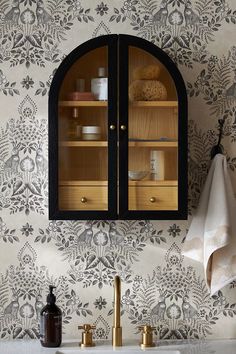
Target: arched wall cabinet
<point>95,179</point>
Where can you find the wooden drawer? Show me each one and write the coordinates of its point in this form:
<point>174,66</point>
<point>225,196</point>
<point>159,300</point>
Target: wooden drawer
<point>153,198</point>
<point>83,198</point>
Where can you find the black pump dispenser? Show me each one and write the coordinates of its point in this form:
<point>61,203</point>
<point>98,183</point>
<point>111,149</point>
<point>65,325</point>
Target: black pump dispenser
<point>51,322</point>
<point>51,298</point>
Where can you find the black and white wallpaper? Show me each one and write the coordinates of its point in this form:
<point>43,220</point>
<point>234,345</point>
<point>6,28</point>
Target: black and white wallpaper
<point>159,286</point>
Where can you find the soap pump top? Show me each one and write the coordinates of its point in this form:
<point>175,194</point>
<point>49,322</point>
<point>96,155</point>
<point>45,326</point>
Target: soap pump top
<point>51,298</point>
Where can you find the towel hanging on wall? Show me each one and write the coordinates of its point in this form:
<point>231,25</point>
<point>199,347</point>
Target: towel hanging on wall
<point>211,238</point>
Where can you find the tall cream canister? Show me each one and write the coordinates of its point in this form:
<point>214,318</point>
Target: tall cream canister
<point>157,164</point>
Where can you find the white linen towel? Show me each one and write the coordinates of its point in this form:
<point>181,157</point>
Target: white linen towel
<point>211,238</point>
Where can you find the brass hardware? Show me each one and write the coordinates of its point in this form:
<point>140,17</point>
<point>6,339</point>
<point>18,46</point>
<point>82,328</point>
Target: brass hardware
<point>83,200</point>
<point>152,199</point>
<point>147,336</point>
<point>123,127</point>
<point>112,127</point>
<point>117,329</point>
<point>87,336</point>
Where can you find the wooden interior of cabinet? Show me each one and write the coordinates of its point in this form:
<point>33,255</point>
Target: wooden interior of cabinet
<point>86,67</point>
<point>81,162</point>
<point>153,125</point>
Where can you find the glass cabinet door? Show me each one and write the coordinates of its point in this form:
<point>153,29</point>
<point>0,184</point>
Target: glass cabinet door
<point>83,143</point>
<point>87,136</point>
<point>152,135</point>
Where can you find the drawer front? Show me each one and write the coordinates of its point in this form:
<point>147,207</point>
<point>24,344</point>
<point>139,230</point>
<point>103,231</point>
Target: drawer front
<point>153,198</point>
<point>83,198</point>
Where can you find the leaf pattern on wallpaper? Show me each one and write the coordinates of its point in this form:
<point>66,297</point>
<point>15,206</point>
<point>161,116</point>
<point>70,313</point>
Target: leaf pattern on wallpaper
<point>7,234</point>
<point>23,290</point>
<point>217,85</point>
<point>182,28</point>
<point>23,171</point>
<point>31,32</point>
<point>98,250</point>
<point>6,87</point>
<point>175,300</point>
<point>200,145</point>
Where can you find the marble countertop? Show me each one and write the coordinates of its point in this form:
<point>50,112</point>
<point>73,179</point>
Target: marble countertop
<point>163,347</point>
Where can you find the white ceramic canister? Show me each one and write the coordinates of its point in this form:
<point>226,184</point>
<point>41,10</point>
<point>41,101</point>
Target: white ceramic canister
<point>157,165</point>
<point>91,132</point>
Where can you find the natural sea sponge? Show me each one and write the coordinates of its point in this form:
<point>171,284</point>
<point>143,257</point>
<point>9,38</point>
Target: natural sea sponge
<point>136,90</point>
<point>148,72</point>
<point>153,90</point>
<point>147,90</point>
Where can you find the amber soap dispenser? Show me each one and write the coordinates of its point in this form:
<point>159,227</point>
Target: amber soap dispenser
<point>51,322</point>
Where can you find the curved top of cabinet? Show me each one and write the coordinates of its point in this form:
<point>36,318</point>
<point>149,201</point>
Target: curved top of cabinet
<point>134,130</point>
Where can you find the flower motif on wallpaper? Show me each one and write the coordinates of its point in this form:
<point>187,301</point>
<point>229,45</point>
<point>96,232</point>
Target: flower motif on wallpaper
<point>27,82</point>
<point>217,84</point>
<point>182,28</point>
<point>6,87</point>
<point>97,250</point>
<point>23,292</point>
<point>23,168</point>
<point>175,300</point>
<point>31,31</point>
<point>101,9</point>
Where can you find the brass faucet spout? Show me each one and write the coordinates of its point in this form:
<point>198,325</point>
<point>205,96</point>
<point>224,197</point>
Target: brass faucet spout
<point>117,329</point>
<point>116,322</point>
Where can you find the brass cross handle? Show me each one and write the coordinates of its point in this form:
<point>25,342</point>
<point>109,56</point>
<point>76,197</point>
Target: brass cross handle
<point>87,327</point>
<point>87,336</point>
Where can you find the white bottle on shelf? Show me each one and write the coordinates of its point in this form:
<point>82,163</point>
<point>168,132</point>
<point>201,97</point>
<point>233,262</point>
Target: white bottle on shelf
<point>157,165</point>
<point>99,85</point>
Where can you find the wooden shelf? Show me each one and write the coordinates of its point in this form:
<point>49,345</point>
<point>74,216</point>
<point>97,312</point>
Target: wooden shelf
<point>143,183</point>
<point>148,183</point>
<point>160,144</point>
<point>161,104</point>
<point>83,103</point>
<point>92,143</point>
<point>82,183</point>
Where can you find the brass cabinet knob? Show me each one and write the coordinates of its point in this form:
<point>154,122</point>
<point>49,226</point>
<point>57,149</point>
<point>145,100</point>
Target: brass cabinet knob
<point>147,336</point>
<point>112,127</point>
<point>123,127</point>
<point>87,336</point>
<point>83,200</point>
<point>152,199</point>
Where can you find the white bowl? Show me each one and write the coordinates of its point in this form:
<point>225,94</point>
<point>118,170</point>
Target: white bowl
<point>137,175</point>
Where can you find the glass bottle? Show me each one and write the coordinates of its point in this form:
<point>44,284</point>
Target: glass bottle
<point>74,128</point>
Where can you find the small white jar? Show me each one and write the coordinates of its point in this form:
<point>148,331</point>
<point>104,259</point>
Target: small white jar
<point>91,132</point>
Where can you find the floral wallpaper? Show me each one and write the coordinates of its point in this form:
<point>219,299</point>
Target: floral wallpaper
<point>159,286</point>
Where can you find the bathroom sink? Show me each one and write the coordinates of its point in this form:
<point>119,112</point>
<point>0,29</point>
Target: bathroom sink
<point>155,350</point>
